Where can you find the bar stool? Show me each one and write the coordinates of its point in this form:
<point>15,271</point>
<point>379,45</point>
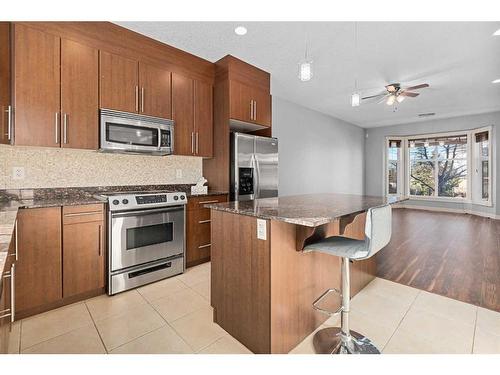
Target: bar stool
<point>342,340</point>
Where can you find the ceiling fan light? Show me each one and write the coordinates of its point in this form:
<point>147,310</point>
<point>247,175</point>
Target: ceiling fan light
<point>305,71</point>
<point>400,98</point>
<point>390,100</point>
<point>355,99</point>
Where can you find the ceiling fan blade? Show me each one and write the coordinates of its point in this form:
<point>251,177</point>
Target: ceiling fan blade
<point>373,96</point>
<point>410,94</point>
<point>391,88</point>
<point>384,98</point>
<point>422,86</point>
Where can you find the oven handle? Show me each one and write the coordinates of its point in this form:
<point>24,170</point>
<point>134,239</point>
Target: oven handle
<point>146,212</point>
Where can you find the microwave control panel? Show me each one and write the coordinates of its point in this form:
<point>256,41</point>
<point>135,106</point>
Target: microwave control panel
<point>245,182</point>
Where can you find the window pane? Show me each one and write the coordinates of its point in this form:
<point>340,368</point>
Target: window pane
<point>392,153</point>
<point>422,178</point>
<point>452,151</point>
<point>484,149</point>
<point>393,177</point>
<point>452,178</point>
<point>485,180</point>
<point>420,152</point>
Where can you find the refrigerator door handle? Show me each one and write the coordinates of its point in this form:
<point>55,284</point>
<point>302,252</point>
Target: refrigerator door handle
<point>257,177</point>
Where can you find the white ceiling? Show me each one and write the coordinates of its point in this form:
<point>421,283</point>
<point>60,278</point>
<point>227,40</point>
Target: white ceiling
<point>458,59</point>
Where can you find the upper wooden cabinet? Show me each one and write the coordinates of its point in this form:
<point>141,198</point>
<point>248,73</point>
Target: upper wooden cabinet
<point>79,91</point>
<point>37,92</point>
<point>119,83</point>
<point>192,107</point>
<point>55,91</point>
<point>5,102</point>
<point>155,86</point>
<point>132,86</point>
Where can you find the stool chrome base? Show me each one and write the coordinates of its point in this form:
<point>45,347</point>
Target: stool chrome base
<point>328,341</point>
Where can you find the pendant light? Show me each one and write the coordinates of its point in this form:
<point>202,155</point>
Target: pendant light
<point>305,68</point>
<point>355,97</point>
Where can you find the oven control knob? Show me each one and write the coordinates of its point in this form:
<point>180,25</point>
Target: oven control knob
<point>116,201</point>
<point>183,197</point>
<point>176,197</point>
<point>125,201</point>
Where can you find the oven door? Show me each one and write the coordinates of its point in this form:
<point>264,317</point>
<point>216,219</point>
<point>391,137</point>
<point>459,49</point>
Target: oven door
<point>139,237</point>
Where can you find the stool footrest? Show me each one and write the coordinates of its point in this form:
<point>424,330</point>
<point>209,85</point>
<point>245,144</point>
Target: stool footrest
<point>323,296</point>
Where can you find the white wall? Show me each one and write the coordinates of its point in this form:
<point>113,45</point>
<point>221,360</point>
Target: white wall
<point>317,153</point>
<point>374,151</point>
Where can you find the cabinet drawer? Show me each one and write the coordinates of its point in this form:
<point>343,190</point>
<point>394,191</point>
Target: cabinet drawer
<point>83,213</point>
<point>197,203</point>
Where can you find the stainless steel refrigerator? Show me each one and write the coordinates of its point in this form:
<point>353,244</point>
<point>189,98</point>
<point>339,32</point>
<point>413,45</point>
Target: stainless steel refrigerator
<point>254,167</point>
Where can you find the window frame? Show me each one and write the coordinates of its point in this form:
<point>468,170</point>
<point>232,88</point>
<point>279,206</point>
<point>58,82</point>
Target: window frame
<point>476,156</point>
<point>400,167</point>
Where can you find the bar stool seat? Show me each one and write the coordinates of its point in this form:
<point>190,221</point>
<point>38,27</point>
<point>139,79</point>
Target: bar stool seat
<point>335,340</point>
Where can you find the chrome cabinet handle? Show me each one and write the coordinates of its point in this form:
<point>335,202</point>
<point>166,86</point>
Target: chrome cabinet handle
<point>255,110</point>
<point>83,213</point>
<point>203,246</point>
<point>100,238</point>
<point>192,142</point>
<point>137,98</point>
<point>204,221</point>
<point>251,109</point>
<point>65,128</point>
<point>142,99</point>
<point>9,122</point>
<point>56,123</point>
<point>17,240</point>
<point>197,142</point>
<point>12,292</point>
<point>208,202</point>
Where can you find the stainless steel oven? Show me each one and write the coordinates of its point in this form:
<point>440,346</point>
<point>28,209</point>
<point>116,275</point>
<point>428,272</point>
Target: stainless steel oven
<point>146,234</point>
<point>134,133</point>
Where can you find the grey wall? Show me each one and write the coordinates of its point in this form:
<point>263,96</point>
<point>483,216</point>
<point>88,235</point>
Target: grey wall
<point>374,149</point>
<point>318,153</point>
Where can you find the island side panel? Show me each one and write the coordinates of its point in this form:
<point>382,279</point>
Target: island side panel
<point>240,282</point>
<point>298,278</point>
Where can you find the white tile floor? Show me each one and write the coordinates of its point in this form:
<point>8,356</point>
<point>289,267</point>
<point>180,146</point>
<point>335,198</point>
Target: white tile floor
<point>174,316</point>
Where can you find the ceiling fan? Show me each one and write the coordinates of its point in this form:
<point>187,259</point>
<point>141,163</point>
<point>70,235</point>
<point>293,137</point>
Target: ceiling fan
<point>395,93</point>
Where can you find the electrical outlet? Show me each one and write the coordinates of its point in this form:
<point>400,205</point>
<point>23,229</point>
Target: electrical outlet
<point>178,173</point>
<point>261,229</point>
<point>18,173</point>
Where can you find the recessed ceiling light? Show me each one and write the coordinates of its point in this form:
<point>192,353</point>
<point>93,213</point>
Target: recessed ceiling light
<point>496,80</point>
<point>240,30</point>
<point>497,33</point>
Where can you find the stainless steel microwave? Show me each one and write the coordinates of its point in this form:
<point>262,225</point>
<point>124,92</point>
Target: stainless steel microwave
<point>132,133</point>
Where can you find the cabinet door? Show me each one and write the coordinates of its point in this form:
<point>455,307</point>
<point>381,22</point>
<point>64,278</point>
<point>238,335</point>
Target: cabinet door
<point>155,86</point>
<point>262,103</point>
<point>183,114</point>
<point>197,237</point>
<point>203,119</point>
<point>5,80</point>
<point>83,257</point>
<point>79,95</point>
<point>119,83</point>
<point>39,265</point>
<point>36,87</point>
<point>240,101</point>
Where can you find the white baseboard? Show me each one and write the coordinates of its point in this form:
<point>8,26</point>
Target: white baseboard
<point>451,210</point>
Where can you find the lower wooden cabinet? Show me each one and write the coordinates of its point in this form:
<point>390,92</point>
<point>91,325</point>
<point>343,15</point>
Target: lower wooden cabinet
<point>61,252</point>
<point>198,227</point>
<point>39,264</point>
<point>84,248</point>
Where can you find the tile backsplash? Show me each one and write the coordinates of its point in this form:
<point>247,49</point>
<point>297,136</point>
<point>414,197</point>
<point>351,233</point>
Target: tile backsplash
<point>53,167</point>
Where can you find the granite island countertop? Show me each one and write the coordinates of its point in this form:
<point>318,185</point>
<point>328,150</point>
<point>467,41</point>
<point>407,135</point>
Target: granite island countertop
<point>309,210</point>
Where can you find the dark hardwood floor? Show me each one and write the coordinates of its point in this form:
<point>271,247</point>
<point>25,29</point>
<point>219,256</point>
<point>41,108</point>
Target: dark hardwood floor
<point>454,255</point>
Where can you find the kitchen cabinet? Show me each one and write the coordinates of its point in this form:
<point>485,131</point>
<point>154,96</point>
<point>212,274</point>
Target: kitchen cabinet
<point>192,112</point>
<point>55,91</point>
<point>5,102</point>
<point>249,104</point>
<point>198,228</point>
<point>7,305</point>
<point>36,87</point>
<point>132,86</point>
<point>84,249</point>
<point>39,264</point>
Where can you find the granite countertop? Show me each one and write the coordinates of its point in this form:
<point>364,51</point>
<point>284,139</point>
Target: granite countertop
<point>309,210</point>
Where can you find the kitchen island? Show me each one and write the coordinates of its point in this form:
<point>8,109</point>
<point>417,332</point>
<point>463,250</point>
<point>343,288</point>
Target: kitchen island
<point>262,283</point>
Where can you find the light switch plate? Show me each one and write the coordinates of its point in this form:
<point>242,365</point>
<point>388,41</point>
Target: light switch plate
<point>18,173</point>
<point>262,229</point>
